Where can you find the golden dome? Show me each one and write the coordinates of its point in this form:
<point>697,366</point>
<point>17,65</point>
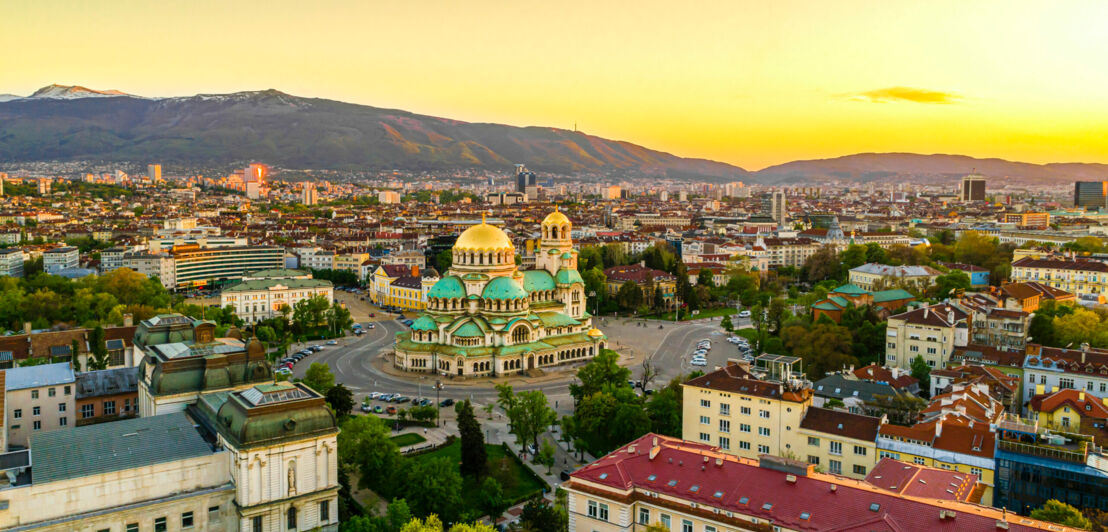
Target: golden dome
<point>483,237</point>
<point>594,332</point>
<point>555,218</point>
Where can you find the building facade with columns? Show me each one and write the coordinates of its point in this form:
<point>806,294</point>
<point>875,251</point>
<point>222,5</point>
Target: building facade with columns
<point>486,317</point>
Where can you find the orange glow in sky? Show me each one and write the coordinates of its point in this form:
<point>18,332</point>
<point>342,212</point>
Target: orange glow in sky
<point>750,83</point>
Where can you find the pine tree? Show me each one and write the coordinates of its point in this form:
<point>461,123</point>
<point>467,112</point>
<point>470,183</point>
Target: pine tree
<point>474,457</point>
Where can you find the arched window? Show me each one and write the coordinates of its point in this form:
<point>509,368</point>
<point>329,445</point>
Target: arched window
<point>290,518</point>
<point>520,335</point>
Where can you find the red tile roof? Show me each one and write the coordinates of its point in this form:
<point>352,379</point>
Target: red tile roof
<point>788,494</point>
<point>1085,403</point>
<point>876,373</point>
<point>921,481</point>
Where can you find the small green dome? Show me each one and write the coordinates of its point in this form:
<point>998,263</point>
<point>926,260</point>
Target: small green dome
<point>469,330</point>
<point>504,288</point>
<point>448,288</point>
<point>567,276</point>
<point>537,281</point>
<point>567,256</point>
<point>424,323</point>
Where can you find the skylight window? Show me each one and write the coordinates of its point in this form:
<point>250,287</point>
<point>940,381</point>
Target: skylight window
<point>718,495</point>
<point>672,483</point>
<point>874,507</point>
<point>805,516</point>
<point>744,500</point>
<point>767,506</point>
<point>694,488</point>
<point>652,477</point>
<point>603,476</point>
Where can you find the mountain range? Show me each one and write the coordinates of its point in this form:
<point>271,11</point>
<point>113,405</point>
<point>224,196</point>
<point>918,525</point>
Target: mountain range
<point>60,122</point>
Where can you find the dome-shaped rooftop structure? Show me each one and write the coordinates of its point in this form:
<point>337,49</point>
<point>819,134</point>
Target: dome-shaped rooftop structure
<point>448,288</point>
<point>555,218</point>
<point>483,237</point>
<point>504,288</point>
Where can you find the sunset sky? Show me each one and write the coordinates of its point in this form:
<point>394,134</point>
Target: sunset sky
<point>750,83</point>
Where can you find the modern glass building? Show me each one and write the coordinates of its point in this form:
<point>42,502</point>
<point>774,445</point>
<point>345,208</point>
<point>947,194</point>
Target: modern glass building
<point>198,267</point>
<point>1034,467</point>
<point>1090,194</point>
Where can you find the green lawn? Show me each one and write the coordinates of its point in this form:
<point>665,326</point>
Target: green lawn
<point>749,333</point>
<point>706,313</point>
<point>406,439</point>
<point>518,482</point>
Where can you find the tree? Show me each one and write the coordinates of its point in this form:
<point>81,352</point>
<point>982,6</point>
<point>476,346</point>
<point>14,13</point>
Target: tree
<point>1056,511</point>
<point>853,256</point>
<point>319,378</point>
<point>1080,327</point>
<point>609,418</point>
<point>603,370</point>
<point>98,350</point>
<point>540,516</point>
<point>432,487</point>
<point>902,408</point>
<point>974,248</point>
<point>776,313</point>
<point>341,399</point>
<point>530,416</point>
<point>706,278</point>
<point>434,524</point>
<point>945,285</point>
<point>629,295</point>
<point>492,498</point>
<point>364,442</point>
<point>74,350</point>
<point>825,347</point>
<point>664,409</point>
<point>875,253</point>
<point>922,372</point>
<point>474,455</point>
<point>546,455</point>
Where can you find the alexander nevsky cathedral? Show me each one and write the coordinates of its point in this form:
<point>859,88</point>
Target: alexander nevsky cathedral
<point>486,317</point>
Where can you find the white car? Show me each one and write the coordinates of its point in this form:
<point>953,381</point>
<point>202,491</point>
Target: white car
<point>744,314</point>
<point>699,362</point>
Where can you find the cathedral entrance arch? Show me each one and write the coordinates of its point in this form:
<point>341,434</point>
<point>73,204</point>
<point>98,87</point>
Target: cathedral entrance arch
<point>530,361</point>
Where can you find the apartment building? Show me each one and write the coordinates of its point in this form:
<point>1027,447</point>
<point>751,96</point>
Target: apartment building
<point>874,276</point>
<point>694,487</point>
<point>11,262</point>
<point>1050,369</point>
<point>200,267</point>
<point>106,395</point>
<point>647,279</point>
<point>350,261</point>
<point>39,399</point>
<point>950,441</point>
<point>931,332</point>
<point>160,265</point>
<point>838,442</point>
<point>61,258</point>
<point>112,258</point>
<point>742,415</point>
<point>1081,277</point>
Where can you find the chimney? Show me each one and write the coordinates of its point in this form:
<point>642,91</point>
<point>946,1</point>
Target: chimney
<point>939,428</point>
<point>926,312</point>
<point>26,327</point>
<point>950,316</point>
<point>415,271</point>
<point>128,320</point>
<point>1081,396</point>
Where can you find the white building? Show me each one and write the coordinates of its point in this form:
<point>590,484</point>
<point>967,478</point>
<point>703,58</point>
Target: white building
<point>61,258</point>
<point>160,265</point>
<point>11,262</point>
<point>262,295</point>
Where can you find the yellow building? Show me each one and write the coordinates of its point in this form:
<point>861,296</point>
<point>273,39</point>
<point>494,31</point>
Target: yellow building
<point>732,409</point>
<point>838,442</point>
<point>400,285</point>
<point>929,332</point>
<point>351,262</point>
<point>951,441</point>
<point>1070,410</point>
<point>1078,276</point>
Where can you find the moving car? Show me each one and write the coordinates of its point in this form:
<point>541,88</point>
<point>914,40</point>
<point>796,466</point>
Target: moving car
<point>744,314</point>
<point>332,342</point>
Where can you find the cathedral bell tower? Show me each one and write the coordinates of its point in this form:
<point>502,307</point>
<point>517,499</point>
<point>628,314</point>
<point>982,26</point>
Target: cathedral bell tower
<point>556,244</point>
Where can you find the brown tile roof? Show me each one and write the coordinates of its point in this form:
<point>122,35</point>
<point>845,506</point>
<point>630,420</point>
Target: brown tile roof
<point>935,315</point>
<point>734,379</point>
<point>843,424</point>
<point>1057,264</point>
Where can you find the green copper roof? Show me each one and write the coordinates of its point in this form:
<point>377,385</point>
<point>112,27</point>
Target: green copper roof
<point>842,302</point>
<point>469,330</point>
<point>504,288</point>
<point>424,323</point>
<point>567,276</point>
<point>892,295</point>
<point>567,256</point>
<point>851,288</point>
<point>557,319</point>
<point>825,306</point>
<point>448,288</point>
<point>537,281</point>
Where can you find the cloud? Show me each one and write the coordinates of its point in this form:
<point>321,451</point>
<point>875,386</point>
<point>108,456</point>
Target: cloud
<point>904,94</point>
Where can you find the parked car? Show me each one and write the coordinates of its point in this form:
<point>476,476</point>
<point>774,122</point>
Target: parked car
<point>699,362</point>
<point>391,410</point>
<point>744,314</point>
<point>403,399</point>
<point>332,342</point>
<point>377,409</point>
<point>284,371</point>
<point>564,475</point>
<point>366,407</point>
<point>446,402</point>
<point>374,395</point>
<point>371,326</point>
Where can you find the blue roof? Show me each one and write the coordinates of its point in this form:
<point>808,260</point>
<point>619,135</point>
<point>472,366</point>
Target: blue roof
<point>116,446</point>
<point>37,376</point>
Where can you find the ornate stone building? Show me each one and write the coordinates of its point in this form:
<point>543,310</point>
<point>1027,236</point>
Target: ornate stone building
<point>487,317</point>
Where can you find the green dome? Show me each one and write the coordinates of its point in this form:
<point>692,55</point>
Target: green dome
<point>504,288</point>
<point>567,276</point>
<point>469,330</point>
<point>424,323</point>
<point>537,281</point>
<point>448,288</point>
<point>567,256</point>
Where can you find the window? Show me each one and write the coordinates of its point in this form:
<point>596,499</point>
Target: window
<point>325,510</point>
<point>290,518</point>
<point>34,394</point>
<point>835,467</point>
<point>1065,382</point>
<point>186,520</point>
<point>18,413</point>
<point>593,509</point>
<point>61,407</point>
<point>63,421</point>
<point>213,513</point>
<point>37,425</point>
<point>919,461</point>
<point>686,525</point>
<point>725,443</point>
<point>744,445</point>
<point>665,521</point>
<point>859,450</point>
<point>109,408</point>
<point>813,441</point>
<point>813,459</point>
<point>36,411</point>
<point>743,427</point>
<point>705,420</point>
<point>132,527</point>
<point>644,516</point>
<point>887,454</point>
<point>724,425</point>
<point>725,409</point>
<point>87,410</point>
<point>709,528</point>
<point>836,447</point>
<point>705,403</point>
<point>975,471</point>
<point>763,431</point>
<point>68,390</point>
<point>764,414</point>
<point>159,525</point>
<point>51,392</point>
<point>763,449</point>
<point>744,410</point>
<point>860,470</point>
<point>704,436</point>
<point>603,512</point>
<point>257,523</point>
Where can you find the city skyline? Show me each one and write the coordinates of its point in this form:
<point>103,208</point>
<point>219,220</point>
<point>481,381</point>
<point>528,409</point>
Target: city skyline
<point>750,85</point>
